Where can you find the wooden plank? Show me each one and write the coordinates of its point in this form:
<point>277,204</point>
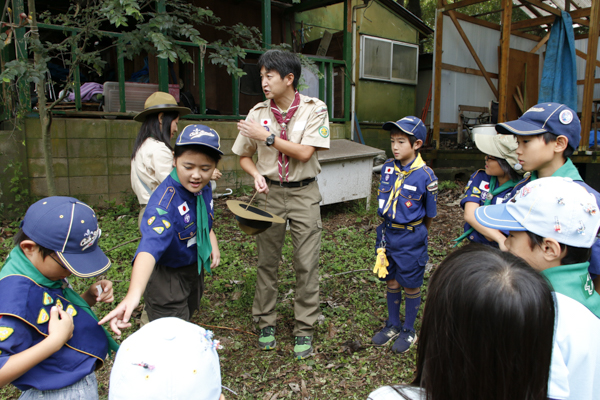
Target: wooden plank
<point>582,12</point>
<point>504,53</point>
<point>519,103</point>
<point>541,43</point>
<point>437,91</point>
<point>580,21</point>
<point>465,70</point>
<point>590,70</point>
<point>543,6</point>
<point>582,81</point>
<point>491,25</point>
<point>473,53</point>
<point>584,56</point>
<point>462,3</point>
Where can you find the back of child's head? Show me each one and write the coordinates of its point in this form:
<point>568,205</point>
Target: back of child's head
<point>284,62</point>
<point>199,139</point>
<point>552,207</point>
<point>487,328</point>
<point>168,358</point>
<point>69,228</point>
<point>549,120</point>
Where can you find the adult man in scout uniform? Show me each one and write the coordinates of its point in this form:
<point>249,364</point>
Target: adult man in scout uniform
<point>286,130</point>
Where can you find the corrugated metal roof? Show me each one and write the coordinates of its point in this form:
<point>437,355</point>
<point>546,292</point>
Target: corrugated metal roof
<point>560,4</point>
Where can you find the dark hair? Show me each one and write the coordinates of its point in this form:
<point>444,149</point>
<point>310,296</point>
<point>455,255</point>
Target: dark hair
<point>508,170</point>
<point>21,236</point>
<point>198,148</point>
<point>487,329</point>
<point>283,62</point>
<point>411,138</point>
<point>575,255</point>
<point>551,137</point>
<point>151,128</point>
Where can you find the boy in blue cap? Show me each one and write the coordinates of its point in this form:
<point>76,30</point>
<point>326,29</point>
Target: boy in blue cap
<point>548,134</point>
<point>407,202</point>
<point>552,224</point>
<point>178,243</point>
<point>50,341</point>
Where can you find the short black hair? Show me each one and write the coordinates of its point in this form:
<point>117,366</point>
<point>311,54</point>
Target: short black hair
<point>551,137</point>
<point>411,138</point>
<point>508,170</point>
<point>198,148</point>
<point>284,62</point>
<point>575,255</point>
<point>21,236</point>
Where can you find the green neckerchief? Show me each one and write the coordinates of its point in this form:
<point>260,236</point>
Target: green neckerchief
<point>574,281</point>
<point>567,170</point>
<point>488,200</point>
<point>203,245</point>
<point>18,264</point>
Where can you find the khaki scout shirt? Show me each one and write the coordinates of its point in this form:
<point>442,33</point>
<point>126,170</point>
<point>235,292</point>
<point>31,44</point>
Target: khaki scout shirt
<point>153,162</point>
<point>308,126</point>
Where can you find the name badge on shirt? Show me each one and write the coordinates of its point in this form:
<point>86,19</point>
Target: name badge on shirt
<point>191,242</point>
<point>299,126</point>
<point>381,203</point>
<point>410,187</point>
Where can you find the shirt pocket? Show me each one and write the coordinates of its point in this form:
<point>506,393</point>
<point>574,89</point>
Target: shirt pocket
<point>188,233</point>
<point>412,195</point>
<point>383,194</point>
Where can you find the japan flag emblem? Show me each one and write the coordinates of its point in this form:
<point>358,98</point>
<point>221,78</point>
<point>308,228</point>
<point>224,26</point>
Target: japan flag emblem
<point>389,170</point>
<point>183,209</point>
<point>265,122</point>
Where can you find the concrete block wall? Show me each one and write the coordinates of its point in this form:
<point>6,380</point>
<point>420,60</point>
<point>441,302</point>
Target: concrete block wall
<point>92,156</point>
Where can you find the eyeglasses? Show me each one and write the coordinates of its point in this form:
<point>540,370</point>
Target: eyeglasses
<point>58,261</point>
<point>490,158</point>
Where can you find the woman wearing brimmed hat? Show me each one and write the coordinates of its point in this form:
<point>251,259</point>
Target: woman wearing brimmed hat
<point>152,157</point>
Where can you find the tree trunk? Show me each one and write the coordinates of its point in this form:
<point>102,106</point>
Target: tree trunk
<point>45,117</point>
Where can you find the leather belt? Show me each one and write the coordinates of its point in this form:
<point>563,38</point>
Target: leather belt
<point>290,184</point>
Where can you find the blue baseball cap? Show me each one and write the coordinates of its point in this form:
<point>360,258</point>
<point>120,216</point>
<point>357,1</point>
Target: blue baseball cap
<point>409,125</point>
<point>554,118</point>
<point>68,227</point>
<point>199,135</point>
<point>553,207</point>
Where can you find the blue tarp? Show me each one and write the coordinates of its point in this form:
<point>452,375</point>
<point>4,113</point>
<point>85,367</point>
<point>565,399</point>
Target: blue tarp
<point>559,77</point>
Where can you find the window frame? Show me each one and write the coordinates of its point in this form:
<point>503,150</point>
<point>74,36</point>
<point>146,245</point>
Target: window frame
<point>391,79</point>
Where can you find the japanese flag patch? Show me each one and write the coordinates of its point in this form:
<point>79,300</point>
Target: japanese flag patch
<point>389,170</point>
<point>265,121</point>
<point>183,209</point>
<point>484,185</point>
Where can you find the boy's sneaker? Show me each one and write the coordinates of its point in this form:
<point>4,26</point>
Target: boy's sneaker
<point>303,347</point>
<point>407,338</point>
<point>266,340</point>
<point>386,335</point>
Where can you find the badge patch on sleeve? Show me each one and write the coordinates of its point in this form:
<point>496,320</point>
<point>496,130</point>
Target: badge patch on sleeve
<point>71,310</point>
<point>166,223</point>
<point>389,170</point>
<point>158,229</point>
<point>433,186</point>
<point>161,211</point>
<point>151,220</point>
<point>321,110</point>
<point>476,190</point>
<point>183,209</point>
<point>324,131</point>
<point>43,316</point>
<point>59,304</point>
<point>5,333</point>
<point>484,185</point>
<point>47,299</point>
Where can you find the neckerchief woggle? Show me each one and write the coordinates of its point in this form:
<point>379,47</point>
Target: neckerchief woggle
<point>488,200</point>
<point>282,159</point>
<point>203,245</point>
<point>18,264</point>
<point>402,175</point>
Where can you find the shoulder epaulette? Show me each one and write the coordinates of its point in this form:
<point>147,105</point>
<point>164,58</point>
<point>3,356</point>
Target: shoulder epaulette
<point>262,104</point>
<point>166,198</point>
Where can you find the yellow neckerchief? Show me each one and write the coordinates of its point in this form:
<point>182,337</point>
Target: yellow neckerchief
<point>393,199</point>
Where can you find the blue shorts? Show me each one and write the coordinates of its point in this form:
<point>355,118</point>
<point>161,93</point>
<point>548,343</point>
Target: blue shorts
<point>406,252</point>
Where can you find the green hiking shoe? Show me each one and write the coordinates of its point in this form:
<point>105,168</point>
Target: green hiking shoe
<point>303,348</point>
<point>266,340</point>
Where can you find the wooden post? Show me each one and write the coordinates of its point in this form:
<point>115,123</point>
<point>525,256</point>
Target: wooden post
<point>437,79</point>
<point>590,69</point>
<point>504,54</point>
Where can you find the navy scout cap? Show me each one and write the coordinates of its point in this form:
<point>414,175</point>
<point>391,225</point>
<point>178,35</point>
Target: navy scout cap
<point>199,135</point>
<point>409,125</point>
<point>68,227</point>
<point>554,118</point>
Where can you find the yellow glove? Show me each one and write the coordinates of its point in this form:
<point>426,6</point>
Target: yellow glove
<point>381,263</point>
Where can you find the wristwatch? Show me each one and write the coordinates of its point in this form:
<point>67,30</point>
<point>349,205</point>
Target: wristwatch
<point>271,139</point>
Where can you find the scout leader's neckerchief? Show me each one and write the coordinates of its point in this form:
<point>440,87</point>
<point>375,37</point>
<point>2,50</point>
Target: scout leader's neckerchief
<point>203,246</point>
<point>418,163</point>
<point>283,160</point>
<point>18,264</point>
<point>488,200</point>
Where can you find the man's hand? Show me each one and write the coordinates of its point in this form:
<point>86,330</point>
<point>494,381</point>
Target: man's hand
<point>253,130</point>
<point>260,184</point>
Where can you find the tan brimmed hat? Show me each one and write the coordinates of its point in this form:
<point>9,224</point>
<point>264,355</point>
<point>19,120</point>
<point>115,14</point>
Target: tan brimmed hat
<point>497,145</point>
<point>159,102</point>
<point>250,219</point>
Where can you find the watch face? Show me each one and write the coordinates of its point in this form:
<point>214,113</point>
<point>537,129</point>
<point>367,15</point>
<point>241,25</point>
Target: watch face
<point>271,140</point>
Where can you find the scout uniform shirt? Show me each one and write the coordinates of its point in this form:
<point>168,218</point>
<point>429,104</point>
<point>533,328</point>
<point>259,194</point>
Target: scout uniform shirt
<point>575,368</point>
<point>568,170</point>
<point>309,126</point>
<point>151,165</point>
<point>169,229</point>
<point>477,191</point>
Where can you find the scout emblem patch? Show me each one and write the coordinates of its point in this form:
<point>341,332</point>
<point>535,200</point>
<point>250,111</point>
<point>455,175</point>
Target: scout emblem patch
<point>586,280</point>
<point>151,220</point>
<point>161,211</point>
<point>47,299</point>
<point>433,186</point>
<point>476,190</point>
<point>43,316</point>
<point>71,310</point>
<point>324,131</point>
<point>5,333</point>
<point>183,209</point>
<point>59,304</point>
<point>158,229</point>
<point>187,218</point>
<point>166,223</point>
<point>565,117</point>
<point>321,110</point>
<point>408,204</point>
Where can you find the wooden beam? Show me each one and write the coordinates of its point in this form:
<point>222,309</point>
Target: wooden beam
<point>462,3</point>
<point>583,22</point>
<point>541,43</point>
<point>465,39</point>
<point>590,70</point>
<point>584,56</point>
<point>504,53</point>
<point>464,70</point>
<point>437,89</point>
<point>491,25</point>
<point>582,81</point>
<point>543,6</point>
<point>582,12</point>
